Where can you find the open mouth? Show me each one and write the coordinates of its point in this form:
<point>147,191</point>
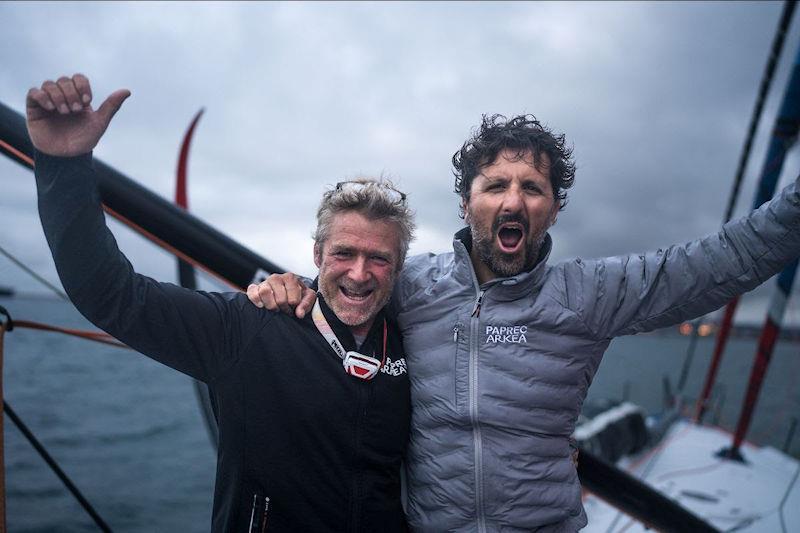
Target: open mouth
<point>355,294</point>
<point>510,237</point>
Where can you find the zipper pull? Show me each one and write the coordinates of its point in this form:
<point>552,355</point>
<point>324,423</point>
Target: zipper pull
<point>476,311</point>
<point>455,333</point>
<point>264,519</point>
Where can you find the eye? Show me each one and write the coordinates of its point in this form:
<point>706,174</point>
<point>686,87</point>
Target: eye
<point>342,254</point>
<point>532,188</point>
<point>380,260</point>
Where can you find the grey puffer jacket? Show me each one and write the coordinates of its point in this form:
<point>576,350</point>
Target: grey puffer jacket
<point>499,371</point>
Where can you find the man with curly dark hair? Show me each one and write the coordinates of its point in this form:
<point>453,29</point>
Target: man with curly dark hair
<point>502,346</point>
<point>508,243</point>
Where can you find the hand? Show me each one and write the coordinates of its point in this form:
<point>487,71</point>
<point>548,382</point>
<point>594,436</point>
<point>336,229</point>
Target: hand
<point>285,292</point>
<point>61,120</point>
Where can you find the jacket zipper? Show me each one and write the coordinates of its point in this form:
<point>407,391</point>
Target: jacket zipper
<point>252,514</point>
<point>262,517</point>
<point>473,410</point>
<point>476,311</point>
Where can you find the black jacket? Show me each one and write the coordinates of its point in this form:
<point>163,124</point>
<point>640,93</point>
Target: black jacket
<point>303,445</point>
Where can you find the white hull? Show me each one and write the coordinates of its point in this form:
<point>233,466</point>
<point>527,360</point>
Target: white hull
<point>761,495</point>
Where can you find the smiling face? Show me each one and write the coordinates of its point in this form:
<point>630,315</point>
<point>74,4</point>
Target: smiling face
<point>357,267</point>
<point>510,207</point>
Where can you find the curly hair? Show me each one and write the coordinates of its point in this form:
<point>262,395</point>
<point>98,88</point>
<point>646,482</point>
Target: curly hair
<point>523,134</point>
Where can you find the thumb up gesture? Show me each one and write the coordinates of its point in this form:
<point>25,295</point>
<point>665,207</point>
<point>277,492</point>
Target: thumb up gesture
<point>60,117</point>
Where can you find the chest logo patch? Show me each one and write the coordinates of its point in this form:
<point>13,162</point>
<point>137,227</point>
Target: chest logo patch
<point>394,368</point>
<point>506,334</point>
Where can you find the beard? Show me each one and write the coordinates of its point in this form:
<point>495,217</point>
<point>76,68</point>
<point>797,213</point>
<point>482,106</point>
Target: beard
<point>505,265</point>
<point>349,314</point>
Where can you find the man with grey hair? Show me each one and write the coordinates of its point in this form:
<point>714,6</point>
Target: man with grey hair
<point>313,414</point>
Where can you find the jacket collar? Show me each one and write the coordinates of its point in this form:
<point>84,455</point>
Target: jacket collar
<point>374,338</point>
<point>504,289</point>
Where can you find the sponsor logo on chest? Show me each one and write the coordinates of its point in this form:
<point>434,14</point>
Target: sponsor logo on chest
<point>506,334</point>
<point>394,368</point>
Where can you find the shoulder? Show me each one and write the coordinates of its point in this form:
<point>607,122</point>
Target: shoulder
<point>422,268</point>
<point>236,306</point>
<point>418,273</point>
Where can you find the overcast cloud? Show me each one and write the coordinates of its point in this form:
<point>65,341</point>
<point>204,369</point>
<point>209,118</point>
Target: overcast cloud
<point>655,98</point>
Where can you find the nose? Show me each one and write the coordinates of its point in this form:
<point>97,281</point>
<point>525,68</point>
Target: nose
<point>512,200</point>
<point>359,272</point>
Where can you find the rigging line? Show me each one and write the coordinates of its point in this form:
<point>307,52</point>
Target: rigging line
<point>730,308</point>
<point>786,497</point>
<point>13,153</point>
<point>169,248</point>
<point>766,81</point>
<point>95,336</point>
<point>55,468</point>
<point>36,276</point>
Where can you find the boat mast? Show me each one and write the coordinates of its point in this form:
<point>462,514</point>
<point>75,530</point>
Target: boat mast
<point>785,133</point>
<point>769,177</point>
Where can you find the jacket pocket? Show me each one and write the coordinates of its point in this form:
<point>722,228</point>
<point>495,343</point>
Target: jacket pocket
<point>259,513</point>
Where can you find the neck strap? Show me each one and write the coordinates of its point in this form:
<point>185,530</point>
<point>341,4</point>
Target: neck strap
<point>356,364</point>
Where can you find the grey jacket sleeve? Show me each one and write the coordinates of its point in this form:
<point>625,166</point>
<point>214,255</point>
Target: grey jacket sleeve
<point>197,333</point>
<point>635,293</point>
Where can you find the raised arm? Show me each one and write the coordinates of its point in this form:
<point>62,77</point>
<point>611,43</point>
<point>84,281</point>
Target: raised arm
<point>197,333</point>
<point>641,292</point>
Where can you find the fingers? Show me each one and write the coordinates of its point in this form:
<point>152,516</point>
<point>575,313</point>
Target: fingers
<point>294,290</point>
<point>71,97</point>
<point>56,96</point>
<point>83,87</point>
<point>38,103</point>
<point>278,289</point>
<point>67,95</point>
<point>261,296</point>
<point>306,303</point>
<point>252,295</point>
<point>284,293</point>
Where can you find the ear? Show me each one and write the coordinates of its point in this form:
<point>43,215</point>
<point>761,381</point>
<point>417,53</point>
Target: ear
<point>317,254</point>
<point>554,215</point>
<point>465,210</point>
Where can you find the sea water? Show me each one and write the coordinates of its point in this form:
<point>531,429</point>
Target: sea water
<point>129,433</point>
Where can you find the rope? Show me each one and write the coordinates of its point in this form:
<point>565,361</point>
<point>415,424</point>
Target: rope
<point>766,81</point>
<point>94,336</point>
<point>36,276</point>
<point>56,469</point>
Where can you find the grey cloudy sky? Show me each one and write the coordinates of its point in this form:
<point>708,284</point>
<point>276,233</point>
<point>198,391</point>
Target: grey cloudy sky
<point>655,98</point>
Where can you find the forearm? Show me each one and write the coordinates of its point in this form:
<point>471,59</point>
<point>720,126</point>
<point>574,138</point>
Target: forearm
<point>84,250</point>
<point>658,289</point>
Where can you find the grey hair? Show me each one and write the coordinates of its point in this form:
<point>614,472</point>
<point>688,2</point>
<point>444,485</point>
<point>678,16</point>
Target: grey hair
<point>375,202</point>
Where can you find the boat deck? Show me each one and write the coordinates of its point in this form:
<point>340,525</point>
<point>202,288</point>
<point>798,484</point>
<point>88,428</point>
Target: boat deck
<point>762,494</point>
